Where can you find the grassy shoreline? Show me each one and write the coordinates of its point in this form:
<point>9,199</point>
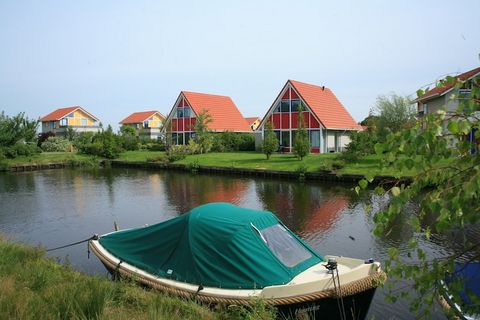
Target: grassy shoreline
<point>237,160</point>
<point>34,285</point>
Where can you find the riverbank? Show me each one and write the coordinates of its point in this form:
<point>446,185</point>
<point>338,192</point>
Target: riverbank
<point>34,285</point>
<point>318,166</point>
<point>47,160</point>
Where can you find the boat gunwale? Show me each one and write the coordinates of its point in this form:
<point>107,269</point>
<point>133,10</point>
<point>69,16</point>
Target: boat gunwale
<point>249,295</point>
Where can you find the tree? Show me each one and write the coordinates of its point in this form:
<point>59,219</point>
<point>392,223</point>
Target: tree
<point>17,129</point>
<point>301,145</point>
<point>270,141</point>
<point>203,136</point>
<point>70,134</point>
<point>127,131</point>
<point>393,113</point>
<point>447,184</point>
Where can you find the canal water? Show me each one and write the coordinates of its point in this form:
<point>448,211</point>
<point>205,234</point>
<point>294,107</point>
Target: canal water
<point>55,207</point>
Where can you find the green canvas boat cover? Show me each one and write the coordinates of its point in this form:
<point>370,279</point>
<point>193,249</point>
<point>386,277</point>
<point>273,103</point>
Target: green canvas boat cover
<point>216,245</point>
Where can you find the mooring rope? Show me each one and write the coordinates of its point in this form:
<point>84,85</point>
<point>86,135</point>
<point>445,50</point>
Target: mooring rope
<point>94,237</point>
<point>332,267</point>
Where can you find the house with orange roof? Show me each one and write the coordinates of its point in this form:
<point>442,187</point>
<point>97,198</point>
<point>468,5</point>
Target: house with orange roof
<point>446,96</point>
<point>225,116</point>
<point>75,117</point>
<point>146,123</point>
<point>253,122</point>
<point>325,118</point>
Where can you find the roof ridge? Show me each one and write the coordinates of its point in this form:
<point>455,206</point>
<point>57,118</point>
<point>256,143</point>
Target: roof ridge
<point>206,94</point>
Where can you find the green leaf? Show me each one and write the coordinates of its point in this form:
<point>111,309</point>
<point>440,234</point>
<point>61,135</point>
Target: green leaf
<point>363,183</point>
<point>357,190</point>
<point>395,191</point>
<point>453,127</point>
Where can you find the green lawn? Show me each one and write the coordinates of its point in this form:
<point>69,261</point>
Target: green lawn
<point>247,160</point>
<point>288,162</point>
<point>140,155</point>
<point>48,157</point>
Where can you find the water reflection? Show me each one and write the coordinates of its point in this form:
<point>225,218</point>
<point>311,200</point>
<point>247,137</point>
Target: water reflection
<point>185,192</point>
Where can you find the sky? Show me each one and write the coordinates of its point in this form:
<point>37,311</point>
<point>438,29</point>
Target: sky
<point>117,57</point>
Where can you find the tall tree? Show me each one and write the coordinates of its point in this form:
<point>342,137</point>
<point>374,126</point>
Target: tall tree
<point>393,113</point>
<point>16,129</point>
<point>203,136</point>
<point>301,145</point>
<point>270,141</point>
<point>447,185</point>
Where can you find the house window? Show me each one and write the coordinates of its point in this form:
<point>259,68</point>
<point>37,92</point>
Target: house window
<point>174,138</point>
<point>151,118</point>
<point>70,115</point>
<point>277,108</point>
<point>314,138</point>
<point>180,138</point>
<point>285,106</point>
<point>285,142</point>
<point>83,122</point>
<point>179,113</point>
<point>186,112</point>
<point>295,105</point>
<point>64,122</point>
<point>425,108</point>
<point>145,124</point>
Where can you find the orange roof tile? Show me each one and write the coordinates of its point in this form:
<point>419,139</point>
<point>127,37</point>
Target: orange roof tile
<point>62,112</point>
<point>138,117</point>
<point>328,109</point>
<point>251,120</point>
<point>440,90</point>
<point>223,111</point>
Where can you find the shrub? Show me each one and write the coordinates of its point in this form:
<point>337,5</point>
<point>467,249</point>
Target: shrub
<point>194,147</point>
<point>152,146</point>
<point>232,141</point>
<point>103,144</point>
<point>333,165</point>
<point>247,142</point>
<point>157,159</point>
<point>128,142</point>
<point>20,149</point>
<point>42,137</point>
<point>56,144</point>
<point>361,143</point>
<point>82,140</point>
<point>270,141</point>
<point>176,152</point>
<point>301,171</point>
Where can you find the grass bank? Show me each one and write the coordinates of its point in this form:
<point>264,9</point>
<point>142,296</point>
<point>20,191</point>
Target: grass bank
<point>73,158</point>
<point>33,286</point>
<point>288,162</point>
<point>244,160</point>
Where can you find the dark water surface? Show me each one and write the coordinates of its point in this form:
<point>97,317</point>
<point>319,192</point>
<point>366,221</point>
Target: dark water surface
<point>56,207</point>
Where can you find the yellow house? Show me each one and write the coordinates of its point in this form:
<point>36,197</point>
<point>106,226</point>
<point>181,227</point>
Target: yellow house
<point>76,118</point>
<point>253,122</point>
<point>147,123</point>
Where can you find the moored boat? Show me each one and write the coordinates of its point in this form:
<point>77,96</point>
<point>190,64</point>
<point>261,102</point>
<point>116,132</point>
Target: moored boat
<point>463,303</point>
<point>223,254</point>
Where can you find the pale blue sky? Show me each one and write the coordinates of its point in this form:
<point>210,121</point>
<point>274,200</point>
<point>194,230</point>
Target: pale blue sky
<point>117,57</point>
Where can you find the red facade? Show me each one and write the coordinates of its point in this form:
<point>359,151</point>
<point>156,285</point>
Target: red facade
<point>285,120</point>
